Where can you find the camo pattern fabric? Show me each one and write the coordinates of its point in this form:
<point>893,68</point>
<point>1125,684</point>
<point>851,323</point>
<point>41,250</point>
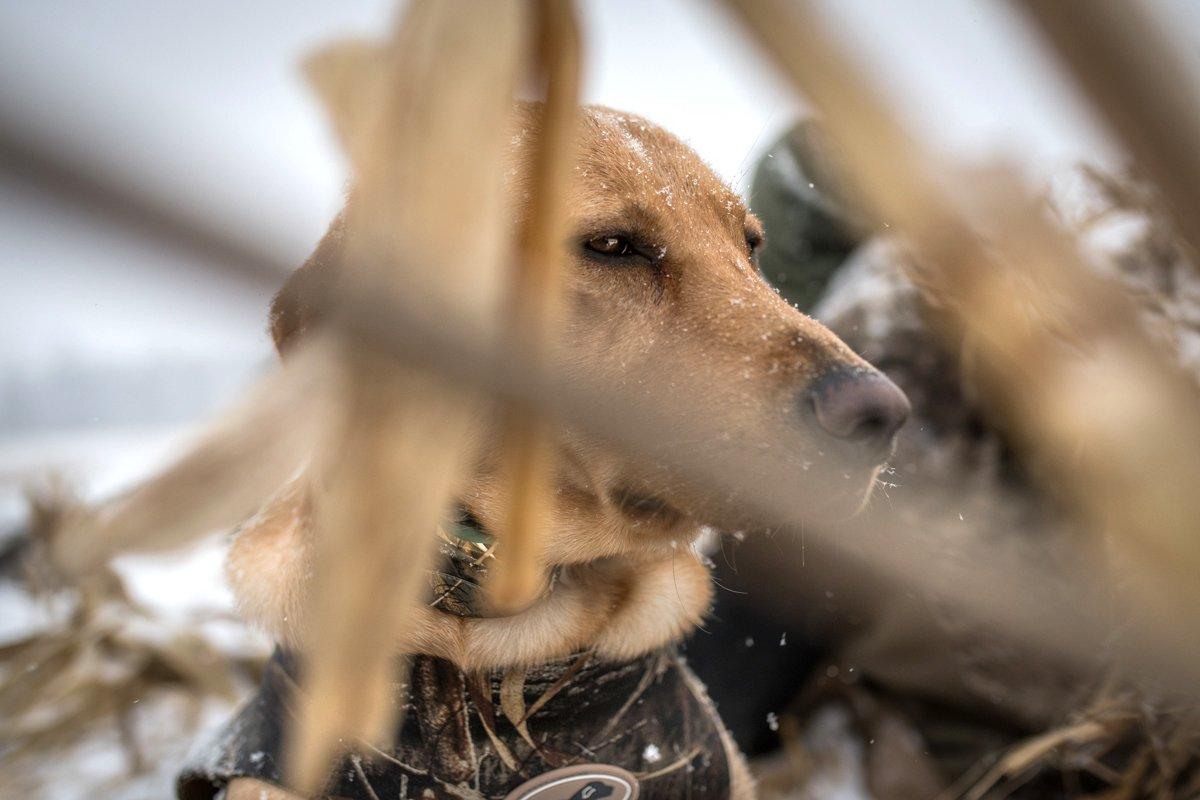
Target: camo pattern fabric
<point>477,736</point>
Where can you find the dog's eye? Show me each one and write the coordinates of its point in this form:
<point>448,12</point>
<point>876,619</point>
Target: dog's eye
<point>753,242</point>
<point>613,246</point>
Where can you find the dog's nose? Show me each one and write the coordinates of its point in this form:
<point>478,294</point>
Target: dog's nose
<point>860,408</point>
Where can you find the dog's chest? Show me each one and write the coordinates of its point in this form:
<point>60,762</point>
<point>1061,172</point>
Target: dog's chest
<point>466,735</point>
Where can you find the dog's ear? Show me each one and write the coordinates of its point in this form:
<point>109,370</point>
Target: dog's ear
<point>342,75</point>
<point>298,305</point>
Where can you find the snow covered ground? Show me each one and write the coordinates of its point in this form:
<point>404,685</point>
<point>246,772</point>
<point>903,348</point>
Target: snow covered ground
<point>185,596</point>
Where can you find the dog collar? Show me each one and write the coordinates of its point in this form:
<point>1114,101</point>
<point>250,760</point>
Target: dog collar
<point>466,550</point>
<point>456,584</point>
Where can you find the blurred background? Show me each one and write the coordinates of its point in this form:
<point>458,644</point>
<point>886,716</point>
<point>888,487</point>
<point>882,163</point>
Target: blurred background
<point>112,347</point>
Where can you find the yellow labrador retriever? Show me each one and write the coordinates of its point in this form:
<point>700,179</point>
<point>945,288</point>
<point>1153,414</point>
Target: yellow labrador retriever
<point>662,282</point>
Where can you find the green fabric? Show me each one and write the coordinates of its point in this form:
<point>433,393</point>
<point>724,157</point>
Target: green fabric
<point>470,534</point>
<point>812,224</point>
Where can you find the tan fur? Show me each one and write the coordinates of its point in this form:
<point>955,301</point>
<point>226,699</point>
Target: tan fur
<point>700,321</point>
<point>618,607</point>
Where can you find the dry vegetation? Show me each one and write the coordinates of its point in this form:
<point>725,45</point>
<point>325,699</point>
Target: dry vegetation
<point>1100,412</point>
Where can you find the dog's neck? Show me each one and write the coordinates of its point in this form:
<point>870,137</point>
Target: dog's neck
<point>466,550</point>
<point>619,607</point>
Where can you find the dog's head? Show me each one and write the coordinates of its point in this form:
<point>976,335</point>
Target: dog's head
<point>663,296</point>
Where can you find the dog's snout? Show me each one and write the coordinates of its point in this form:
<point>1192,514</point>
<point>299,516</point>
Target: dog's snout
<point>860,408</point>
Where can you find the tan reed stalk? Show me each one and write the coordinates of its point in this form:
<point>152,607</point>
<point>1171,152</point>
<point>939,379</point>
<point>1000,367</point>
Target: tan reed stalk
<point>533,303</point>
<point>223,479</point>
<point>1141,84</point>
<point>426,142</point>
<point>1113,423</point>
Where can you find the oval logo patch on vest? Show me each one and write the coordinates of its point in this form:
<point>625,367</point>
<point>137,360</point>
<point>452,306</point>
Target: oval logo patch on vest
<point>581,782</point>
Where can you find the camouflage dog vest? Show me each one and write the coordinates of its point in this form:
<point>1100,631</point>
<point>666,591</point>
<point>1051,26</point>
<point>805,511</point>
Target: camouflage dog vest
<point>573,729</point>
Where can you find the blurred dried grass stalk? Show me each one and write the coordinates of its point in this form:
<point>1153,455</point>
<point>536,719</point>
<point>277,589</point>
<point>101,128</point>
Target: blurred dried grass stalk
<point>223,479</point>
<point>95,665</point>
<point>1141,84</point>
<point>1094,401</point>
<point>1128,747</point>
<point>101,654</point>
<point>427,140</point>
<point>533,305</point>
<point>425,121</point>
<point>1107,420</point>
<point>1133,737</point>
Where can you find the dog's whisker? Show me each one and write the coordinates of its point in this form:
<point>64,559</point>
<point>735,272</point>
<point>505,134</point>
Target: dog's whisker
<point>744,168</point>
<point>729,589</point>
<point>725,554</point>
<point>679,597</point>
